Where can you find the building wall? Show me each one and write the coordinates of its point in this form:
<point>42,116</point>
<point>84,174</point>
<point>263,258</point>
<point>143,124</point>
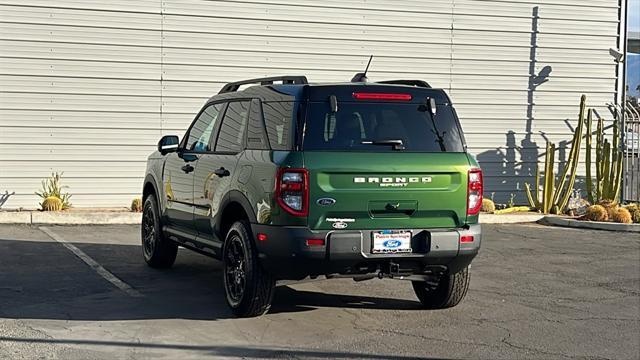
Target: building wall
<point>88,87</point>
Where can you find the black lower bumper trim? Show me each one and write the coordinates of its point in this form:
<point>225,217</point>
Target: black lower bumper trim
<point>285,252</point>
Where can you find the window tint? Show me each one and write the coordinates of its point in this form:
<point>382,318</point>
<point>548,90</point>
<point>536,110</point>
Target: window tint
<point>375,127</point>
<point>277,117</point>
<point>200,132</point>
<point>256,138</point>
<point>231,135</point>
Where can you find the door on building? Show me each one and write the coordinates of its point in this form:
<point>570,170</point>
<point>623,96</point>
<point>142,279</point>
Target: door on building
<point>179,171</point>
<point>216,170</point>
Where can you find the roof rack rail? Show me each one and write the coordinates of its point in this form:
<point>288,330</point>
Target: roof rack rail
<point>418,83</point>
<point>234,86</point>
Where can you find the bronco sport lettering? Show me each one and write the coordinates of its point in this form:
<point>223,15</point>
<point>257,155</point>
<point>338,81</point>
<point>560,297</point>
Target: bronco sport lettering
<point>391,181</point>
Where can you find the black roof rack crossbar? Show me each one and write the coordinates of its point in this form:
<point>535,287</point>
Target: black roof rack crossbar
<point>234,86</point>
<point>418,83</point>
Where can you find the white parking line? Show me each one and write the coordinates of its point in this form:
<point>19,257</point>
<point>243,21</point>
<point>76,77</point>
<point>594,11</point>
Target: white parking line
<point>93,264</point>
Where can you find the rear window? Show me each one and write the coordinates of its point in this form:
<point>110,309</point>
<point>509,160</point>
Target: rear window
<point>381,127</point>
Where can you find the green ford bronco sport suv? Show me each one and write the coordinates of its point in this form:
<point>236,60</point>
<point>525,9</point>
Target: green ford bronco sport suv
<point>286,180</point>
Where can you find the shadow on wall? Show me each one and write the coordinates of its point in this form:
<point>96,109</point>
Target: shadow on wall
<point>5,197</point>
<point>512,172</point>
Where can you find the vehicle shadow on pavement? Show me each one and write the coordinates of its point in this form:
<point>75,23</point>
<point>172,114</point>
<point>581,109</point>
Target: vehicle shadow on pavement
<point>288,299</point>
<point>44,280</point>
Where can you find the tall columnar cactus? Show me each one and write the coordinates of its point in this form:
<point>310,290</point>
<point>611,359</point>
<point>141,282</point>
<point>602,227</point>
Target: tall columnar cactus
<point>588,157</point>
<point>554,199</point>
<point>608,164</point>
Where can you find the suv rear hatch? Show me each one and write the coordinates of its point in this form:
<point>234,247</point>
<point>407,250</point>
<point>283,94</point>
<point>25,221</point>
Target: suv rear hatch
<point>379,159</point>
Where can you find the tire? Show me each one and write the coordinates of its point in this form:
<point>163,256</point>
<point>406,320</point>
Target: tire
<point>158,251</point>
<point>445,292</point>
<point>248,287</point>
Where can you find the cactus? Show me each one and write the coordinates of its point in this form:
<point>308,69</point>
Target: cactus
<point>596,213</point>
<point>588,157</point>
<point>561,196</point>
<point>549,181</point>
<point>136,205</point>
<point>52,203</point>
<point>610,206</point>
<point>554,198</point>
<point>608,164</point>
<point>51,187</point>
<point>634,210</point>
<point>488,206</point>
<point>512,210</point>
<point>543,201</point>
<point>622,215</point>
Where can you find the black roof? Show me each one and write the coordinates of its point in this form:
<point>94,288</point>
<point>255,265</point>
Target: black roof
<point>290,88</point>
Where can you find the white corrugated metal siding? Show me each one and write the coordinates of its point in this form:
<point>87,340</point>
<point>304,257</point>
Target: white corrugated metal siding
<point>88,87</point>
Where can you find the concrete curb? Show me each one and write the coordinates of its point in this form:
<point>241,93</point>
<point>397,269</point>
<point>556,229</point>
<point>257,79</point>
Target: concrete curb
<point>88,218</point>
<point>69,218</point>
<point>113,217</point>
<point>509,218</point>
<point>15,217</point>
<point>595,225</point>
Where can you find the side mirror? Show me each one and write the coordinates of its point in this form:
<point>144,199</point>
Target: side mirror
<point>167,144</point>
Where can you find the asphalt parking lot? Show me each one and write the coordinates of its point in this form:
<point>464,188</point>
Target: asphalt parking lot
<point>536,292</point>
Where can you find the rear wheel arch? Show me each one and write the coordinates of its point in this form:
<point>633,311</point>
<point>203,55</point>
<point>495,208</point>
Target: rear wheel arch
<point>236,207</point>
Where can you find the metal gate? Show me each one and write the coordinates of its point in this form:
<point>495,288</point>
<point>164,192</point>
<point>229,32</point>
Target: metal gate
<point>631,149</point>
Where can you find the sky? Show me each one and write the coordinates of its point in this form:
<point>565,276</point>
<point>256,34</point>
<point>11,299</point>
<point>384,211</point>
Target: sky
<point>634,15</point>
<point>633,60</point>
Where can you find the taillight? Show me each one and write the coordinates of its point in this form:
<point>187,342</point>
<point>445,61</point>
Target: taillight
<point>381,96</point>
<point>292,191</point>
<point>474,192</point>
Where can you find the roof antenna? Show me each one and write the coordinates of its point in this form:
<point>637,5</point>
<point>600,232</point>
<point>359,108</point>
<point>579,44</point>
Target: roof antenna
<point>362,77</point>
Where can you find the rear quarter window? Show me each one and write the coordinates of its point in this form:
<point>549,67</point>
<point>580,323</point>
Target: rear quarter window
<point>278,117</point>
<point>366,126</point>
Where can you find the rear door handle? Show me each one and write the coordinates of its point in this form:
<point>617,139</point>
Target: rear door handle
<point>187,168</point>
<point>222,172</point>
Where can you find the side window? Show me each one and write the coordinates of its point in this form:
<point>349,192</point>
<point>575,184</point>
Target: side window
<point>278,118</point>
<point>231,135</point>
<point>256,137</point>
<point>201,130</point>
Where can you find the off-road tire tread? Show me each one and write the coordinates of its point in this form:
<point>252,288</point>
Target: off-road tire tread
<point>259,291</point>
<point>449,293</point>
<point>165,251</point>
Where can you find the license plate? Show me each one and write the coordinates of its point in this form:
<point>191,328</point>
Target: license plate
<point>391,242</point>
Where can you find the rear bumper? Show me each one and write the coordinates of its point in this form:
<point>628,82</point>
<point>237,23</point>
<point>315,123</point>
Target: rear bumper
<point>286,254</point>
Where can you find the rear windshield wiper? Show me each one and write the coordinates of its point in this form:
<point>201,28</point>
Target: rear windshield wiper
<point>397,144</point>
<point>430,108</point>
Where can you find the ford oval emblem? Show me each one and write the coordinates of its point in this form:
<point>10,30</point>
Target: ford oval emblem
<point>326,201</point>
<point>392,244</point>
<point>341,225</point>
